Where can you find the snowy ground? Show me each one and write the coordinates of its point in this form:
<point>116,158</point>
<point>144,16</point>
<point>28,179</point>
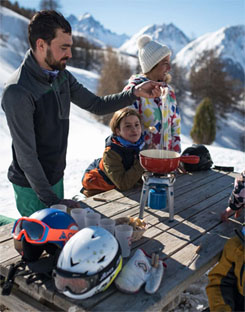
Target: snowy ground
<point>86,142</point>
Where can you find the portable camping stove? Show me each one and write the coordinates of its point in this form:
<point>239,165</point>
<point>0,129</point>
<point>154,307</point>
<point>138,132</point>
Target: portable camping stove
<point>163,180</point>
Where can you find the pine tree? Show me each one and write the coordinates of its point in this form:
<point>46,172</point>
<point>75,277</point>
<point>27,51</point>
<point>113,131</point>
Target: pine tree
<point>209,79</point>
<point>204,127</point>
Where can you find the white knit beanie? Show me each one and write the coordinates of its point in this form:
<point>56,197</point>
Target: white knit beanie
<point>150,52</point>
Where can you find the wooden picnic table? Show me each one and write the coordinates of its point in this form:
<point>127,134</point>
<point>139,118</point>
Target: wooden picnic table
<point>199,200</point>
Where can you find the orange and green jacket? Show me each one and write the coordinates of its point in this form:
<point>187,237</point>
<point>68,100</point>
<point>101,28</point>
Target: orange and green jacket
<point>118,168</point>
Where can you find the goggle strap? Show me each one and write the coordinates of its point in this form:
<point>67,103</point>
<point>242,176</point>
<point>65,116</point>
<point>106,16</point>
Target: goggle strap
<point>53,235</point>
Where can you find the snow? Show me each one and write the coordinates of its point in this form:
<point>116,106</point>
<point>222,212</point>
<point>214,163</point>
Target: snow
<point>169,35</point>
<point>86,140</point>
<point>227,42</point>
<point>87,136</point>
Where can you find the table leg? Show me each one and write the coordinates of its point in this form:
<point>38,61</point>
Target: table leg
<point>171,203</point>
<point>143,198</point>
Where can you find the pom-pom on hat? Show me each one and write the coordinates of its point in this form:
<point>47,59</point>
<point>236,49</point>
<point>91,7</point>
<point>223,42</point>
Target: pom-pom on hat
<point>150,52</point>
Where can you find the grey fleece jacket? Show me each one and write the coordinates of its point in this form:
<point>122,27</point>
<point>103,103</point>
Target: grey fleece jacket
<point>37,113</point>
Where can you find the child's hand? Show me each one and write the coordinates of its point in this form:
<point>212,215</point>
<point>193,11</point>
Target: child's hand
<point>226,214</point>
<point>181,168</point>
<point>238,212</point>
<point>151,146</point>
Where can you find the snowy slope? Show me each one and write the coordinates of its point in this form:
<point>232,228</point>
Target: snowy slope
<point>170,35</point>
<point>13,39</point>
<point>228,44</point>
<point>86,138</point>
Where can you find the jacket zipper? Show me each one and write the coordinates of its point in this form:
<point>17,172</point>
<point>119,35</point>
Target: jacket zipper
<point>58,101</point>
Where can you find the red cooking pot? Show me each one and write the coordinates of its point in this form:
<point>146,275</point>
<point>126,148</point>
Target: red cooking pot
<point>160,161</point>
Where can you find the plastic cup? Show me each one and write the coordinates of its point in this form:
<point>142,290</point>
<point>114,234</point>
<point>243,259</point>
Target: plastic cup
<point>108,224</point>
<point>123,233</point>
<point>78,214</point>
<point>60,207</point>
<point>92,218</point>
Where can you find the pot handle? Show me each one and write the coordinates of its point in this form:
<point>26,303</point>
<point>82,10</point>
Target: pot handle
<point>190,159</point>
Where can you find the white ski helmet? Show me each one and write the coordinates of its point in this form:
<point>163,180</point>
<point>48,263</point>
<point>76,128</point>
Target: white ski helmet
<point>88,263</point>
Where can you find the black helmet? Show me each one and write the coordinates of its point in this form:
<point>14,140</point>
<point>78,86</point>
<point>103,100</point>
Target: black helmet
<point>200,150</point>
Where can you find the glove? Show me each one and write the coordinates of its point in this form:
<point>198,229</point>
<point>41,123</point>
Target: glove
<point>134,274</point>
<point>154,280</point>
<point>141,269</point>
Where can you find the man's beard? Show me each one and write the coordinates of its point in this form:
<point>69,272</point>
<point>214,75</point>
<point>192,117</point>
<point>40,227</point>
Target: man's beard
<point>52,63</point>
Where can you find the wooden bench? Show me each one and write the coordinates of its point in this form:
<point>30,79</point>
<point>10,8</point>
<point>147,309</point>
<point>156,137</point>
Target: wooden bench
<point>199,200</point>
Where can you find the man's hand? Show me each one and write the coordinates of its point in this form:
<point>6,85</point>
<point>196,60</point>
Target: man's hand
<point>148,89</point>
<point>70,203</point>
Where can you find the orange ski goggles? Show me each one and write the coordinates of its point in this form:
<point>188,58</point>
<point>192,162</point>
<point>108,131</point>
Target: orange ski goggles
<point>37,232</point>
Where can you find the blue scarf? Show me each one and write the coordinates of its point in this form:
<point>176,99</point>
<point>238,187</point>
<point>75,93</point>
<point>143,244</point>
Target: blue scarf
<point>138,145</point>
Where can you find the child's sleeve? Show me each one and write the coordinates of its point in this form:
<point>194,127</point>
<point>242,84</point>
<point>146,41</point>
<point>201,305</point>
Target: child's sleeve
<point>114,169</point>
<point>237,198</point>
<point>132,82</point>
<point>175,124</point>
<point>222,281</point>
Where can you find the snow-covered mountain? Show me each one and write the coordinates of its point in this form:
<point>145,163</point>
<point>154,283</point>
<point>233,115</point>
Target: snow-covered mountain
<point>81,148</point>
<point>13,38</point>
<point>94,32</point>
<point>169,34</point>
<point>228,44</point>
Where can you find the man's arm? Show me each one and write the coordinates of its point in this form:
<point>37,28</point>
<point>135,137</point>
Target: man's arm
<point>110,103</point>
<point>19,109</point>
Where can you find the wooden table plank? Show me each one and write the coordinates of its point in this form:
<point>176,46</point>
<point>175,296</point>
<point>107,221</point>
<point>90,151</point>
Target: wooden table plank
<point>7,250</point>
<point>5,232</point>
<point>199,199</point>
<point>177,275</point>
<point>185,232</point>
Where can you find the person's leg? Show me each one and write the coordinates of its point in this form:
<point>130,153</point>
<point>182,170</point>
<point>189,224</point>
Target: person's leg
<point>27,201</point>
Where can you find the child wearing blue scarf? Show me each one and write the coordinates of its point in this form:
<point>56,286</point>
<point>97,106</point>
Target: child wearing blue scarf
<point>119,167</point>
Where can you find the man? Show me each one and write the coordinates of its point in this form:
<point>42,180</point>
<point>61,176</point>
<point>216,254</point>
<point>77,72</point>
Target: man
<point>36,101</point>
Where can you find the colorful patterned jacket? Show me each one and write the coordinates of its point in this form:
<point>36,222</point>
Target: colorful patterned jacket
<point>164,117</point>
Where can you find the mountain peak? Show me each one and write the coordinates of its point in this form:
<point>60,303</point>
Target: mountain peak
<point>87,15</point>
<point>167,34</point>
<point>95,32</point>
<point>228,44</point>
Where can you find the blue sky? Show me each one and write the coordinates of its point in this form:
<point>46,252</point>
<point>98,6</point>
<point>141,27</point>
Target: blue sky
<point>193,17</point>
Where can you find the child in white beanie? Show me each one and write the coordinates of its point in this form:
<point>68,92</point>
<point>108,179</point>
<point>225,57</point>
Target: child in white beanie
<point>161,118</point>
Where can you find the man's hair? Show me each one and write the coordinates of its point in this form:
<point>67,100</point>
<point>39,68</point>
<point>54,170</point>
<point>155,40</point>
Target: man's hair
<point>119,115</point>
<point>44,25</point>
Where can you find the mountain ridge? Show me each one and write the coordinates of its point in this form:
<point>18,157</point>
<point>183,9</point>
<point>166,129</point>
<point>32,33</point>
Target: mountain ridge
<point>167,34</point>
<point>94,31</point>
<point>228,44</point>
